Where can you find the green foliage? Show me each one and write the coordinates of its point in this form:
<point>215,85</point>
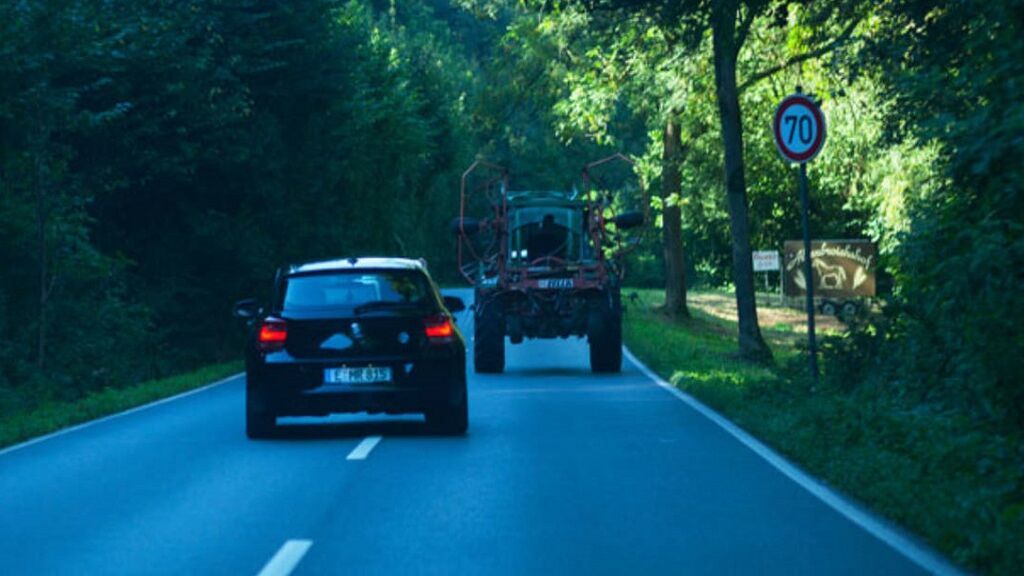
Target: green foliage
<point>961,257</point>
<point>945,204</point>
<point>159,160</point>
<point>52,415</point>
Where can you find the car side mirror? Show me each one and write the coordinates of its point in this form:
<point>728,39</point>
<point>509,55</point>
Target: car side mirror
<point>454,304</point>
<point>246,309</point>
<point>628,220</point>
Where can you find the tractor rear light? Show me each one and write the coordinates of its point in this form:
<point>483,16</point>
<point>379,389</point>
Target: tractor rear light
<point>439,329</point>
<point>273,335</point>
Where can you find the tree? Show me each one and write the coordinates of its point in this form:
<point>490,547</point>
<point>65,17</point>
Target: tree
<point>604,67</point>
<point>728,34</point>
<point>672,226</point>
<point>729,23</point>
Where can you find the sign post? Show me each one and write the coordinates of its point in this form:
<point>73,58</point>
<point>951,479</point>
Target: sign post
<point>799,130</point>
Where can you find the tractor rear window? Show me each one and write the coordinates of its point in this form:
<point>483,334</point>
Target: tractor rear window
<point>354,289</point>
<point>542,233</point>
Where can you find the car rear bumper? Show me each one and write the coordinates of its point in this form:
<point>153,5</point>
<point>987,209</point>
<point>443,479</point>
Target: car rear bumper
<point>299,389</point>
<point>321,403</point>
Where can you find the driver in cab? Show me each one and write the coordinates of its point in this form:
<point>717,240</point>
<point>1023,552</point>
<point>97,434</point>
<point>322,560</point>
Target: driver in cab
<point>548,239</point>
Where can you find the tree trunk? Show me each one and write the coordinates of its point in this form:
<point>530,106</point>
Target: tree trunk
<point>672,225</point>
<point>726,50</point>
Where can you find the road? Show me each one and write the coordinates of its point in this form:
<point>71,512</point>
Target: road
<point>563,472</point>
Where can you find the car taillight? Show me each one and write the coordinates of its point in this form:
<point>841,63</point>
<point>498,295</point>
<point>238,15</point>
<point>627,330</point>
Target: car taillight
<point>273,334</point>
<point>439,329</point>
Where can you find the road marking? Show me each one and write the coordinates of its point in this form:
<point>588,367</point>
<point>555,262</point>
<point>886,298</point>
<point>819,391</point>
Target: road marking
<point>89,423</point>
<point>287,558</point>
<point>363,450</point>
<point>889,533</point>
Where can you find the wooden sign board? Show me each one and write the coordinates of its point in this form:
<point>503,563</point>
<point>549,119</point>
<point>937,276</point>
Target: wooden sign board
<point>839,268</point>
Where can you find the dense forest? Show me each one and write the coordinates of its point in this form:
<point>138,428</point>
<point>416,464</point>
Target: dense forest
<point>159,159</point>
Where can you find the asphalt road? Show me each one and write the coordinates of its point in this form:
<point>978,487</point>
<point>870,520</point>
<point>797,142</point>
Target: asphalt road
<point>562,472</point>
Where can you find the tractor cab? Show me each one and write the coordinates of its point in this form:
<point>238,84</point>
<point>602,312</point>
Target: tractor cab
<point>546,230</point>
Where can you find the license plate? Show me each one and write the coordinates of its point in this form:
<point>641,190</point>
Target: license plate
<point>555,283</point>
<point>357,375</point>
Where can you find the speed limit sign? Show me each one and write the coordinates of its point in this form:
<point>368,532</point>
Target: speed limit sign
<point>799,128</point>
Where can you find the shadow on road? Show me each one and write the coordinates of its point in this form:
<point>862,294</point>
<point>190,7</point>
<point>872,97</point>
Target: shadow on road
<point>549,371</point>
<point>346,430</point>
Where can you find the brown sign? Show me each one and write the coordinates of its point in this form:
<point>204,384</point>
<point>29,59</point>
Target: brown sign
<point>839,268</point>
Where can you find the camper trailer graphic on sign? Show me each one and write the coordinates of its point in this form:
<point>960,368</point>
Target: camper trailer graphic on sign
<point>839,268</point>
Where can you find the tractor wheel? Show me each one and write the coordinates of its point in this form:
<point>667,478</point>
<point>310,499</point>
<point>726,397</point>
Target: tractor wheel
<point>489,339</point>
<point>605,335</point>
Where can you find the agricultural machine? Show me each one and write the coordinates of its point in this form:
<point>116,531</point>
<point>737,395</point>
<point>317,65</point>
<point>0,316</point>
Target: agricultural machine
<point>545,264</point>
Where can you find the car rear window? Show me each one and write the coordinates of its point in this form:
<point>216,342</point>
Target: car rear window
<point>354,289</point>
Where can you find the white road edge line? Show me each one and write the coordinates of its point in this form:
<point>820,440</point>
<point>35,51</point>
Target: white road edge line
<point>89,423</point>
<point>890,534</point>
<point>364,448</point>
<point>287,558</point>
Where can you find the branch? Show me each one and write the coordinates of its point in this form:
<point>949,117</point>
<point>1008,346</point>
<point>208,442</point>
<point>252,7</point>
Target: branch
<point>744,30</point>
<point>821,51</point>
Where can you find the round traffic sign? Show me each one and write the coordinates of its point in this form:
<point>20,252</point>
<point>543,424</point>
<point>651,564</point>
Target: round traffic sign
<point>799,128</point>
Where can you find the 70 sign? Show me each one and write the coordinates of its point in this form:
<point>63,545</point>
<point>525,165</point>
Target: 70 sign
<point>799,128</point>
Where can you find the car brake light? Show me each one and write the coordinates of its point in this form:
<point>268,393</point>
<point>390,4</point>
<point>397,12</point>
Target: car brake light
<point>439,329</point>
<point>273,335</point>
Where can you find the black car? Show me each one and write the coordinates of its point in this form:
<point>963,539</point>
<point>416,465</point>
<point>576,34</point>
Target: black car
<point>356,335</point>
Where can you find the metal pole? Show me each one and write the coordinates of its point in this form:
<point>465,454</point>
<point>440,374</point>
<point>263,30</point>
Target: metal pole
<point>809,279</point>
<point>782,285</point>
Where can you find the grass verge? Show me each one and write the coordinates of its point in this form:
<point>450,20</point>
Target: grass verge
<point>936,474</point>
<point>53,416</point>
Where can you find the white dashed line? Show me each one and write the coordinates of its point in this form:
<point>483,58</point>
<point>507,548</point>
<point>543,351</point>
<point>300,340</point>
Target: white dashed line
<point>287,558</point>
<point>363,450</point>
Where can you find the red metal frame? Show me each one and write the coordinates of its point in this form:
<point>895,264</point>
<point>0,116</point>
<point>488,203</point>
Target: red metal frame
<point>597,223</point>
<point>497,222</point>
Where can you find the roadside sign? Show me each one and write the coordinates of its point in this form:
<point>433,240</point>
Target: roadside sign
<point>766,261</point>
<point>799,128</point>
<point>839,268</point>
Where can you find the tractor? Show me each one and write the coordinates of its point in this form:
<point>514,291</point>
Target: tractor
<point>545,264</point>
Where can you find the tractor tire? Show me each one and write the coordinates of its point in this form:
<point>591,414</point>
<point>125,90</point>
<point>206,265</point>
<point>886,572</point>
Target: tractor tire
<point>489,339</point>
<point>260,422</point>
<point>605,336</point>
